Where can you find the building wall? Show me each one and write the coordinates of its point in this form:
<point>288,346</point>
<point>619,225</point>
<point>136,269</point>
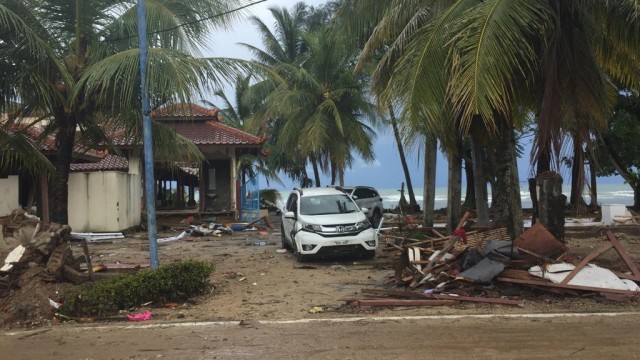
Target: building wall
<point>104,201</point>
<point>9,194</point>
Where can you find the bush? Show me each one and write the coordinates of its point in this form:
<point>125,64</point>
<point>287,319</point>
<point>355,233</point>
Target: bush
<point>174,282</point>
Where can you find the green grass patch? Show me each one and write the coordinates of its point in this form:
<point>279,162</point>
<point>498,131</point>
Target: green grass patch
<point>169,283</point>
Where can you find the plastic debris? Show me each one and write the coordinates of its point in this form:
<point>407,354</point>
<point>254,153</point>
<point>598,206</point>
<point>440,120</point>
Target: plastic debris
<point>54,304</point>
<point>140,317</point>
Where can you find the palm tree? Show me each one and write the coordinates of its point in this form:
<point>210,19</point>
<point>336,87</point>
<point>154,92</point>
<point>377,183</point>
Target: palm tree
<point>487,58</point>
<point>311,97</point>
<point>283,48</point>
<point>324,106</point>
<point>76,62</point>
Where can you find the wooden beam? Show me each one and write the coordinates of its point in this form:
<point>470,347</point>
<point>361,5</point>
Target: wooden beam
<point>543,258</point>
<point>623,254</point>
<point>87,258</point>
<point>570,287</point>
<point>402,302</point>
<point>463,220</point>
<point>416,295</point>
<point>603,249</point>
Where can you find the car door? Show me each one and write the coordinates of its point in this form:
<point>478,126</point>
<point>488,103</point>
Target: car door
<point>288,224</point>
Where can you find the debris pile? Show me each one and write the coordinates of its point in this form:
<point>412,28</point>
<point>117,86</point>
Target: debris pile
<point>36,253</point>
<point>487,267</point>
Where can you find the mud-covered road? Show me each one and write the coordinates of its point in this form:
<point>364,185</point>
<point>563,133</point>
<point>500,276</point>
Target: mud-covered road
<point>566,336</point>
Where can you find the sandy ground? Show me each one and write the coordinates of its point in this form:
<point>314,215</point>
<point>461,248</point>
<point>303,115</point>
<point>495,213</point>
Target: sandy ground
<point>258,283</point>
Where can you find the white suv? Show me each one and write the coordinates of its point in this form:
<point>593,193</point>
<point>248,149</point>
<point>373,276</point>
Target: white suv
<point>369,198</point>
<point>325,222</point>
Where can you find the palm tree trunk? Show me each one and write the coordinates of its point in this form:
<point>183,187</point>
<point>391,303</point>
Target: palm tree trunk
<point>479,179</point>
<point>470,194</point>
<point>454,188</point>
<point>593,179</point>
<point>429,187</point>
<point>508,202</point>
<point>413,204</point>
<point>65,139</point>
<point>543,163</point>
<point>316,171</point>
<point>577,177</point>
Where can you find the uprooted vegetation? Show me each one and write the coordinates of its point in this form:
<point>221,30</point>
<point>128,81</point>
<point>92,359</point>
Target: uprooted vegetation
<point>173,282</point>
<point>41,269</point>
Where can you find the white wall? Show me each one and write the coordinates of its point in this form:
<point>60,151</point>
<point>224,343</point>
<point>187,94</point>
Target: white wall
<point>104,201</point>
<point>9,199</point>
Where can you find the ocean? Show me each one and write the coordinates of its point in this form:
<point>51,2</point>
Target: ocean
<point>607,194</point>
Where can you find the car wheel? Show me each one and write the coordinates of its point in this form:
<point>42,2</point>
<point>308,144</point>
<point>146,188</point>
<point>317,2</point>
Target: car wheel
<point>296,253</point>
<point>375,219</point>
<point>285,244</point>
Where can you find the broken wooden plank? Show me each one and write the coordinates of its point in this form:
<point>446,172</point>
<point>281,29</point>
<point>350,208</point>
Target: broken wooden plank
<point>463,220</point>
<point>570,287</point>
<point>538,256</point>
<point>415,295</point>
<point>623,253</point>
<point>603,249</point>
<point>476,299</point>
<point>402,302</point>
<point>119,267</point>
<point>87,258</point>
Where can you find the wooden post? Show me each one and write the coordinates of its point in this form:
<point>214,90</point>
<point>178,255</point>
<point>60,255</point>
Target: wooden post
<point>551,203</point>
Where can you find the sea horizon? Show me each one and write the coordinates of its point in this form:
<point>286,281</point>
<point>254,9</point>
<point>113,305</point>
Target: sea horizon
<point>608,194</point>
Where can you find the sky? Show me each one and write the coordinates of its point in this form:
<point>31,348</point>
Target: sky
<point>383,173</point>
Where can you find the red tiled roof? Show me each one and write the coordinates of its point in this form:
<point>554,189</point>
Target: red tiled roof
<point>108,163</point>
<point>196,123</point>
<point>214,133</point>
<point>48,143</point>
<point>185,111</point>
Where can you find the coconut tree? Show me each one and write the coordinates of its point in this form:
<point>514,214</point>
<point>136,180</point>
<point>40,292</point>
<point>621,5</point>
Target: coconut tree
<point>282,50</point>
<point>76,64</point>
<point>310,96</point>
<point>326,112</point>
<point>493,57</point>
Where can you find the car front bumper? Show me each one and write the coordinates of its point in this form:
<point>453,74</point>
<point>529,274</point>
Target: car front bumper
<point>310,243</point>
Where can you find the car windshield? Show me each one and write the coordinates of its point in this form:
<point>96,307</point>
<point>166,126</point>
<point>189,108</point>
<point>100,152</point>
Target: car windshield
<point>326,205</point>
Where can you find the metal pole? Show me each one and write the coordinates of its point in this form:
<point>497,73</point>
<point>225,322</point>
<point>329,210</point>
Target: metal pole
<point>149,181</point>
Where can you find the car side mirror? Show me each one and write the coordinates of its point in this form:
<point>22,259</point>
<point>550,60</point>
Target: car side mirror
<point>289,215</point>
<point>364,210</point>
<point>355,197</point>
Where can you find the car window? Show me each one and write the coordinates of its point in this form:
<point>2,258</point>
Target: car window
<point>292,203</point>
<point>365,193</point>
<point>326,205</point>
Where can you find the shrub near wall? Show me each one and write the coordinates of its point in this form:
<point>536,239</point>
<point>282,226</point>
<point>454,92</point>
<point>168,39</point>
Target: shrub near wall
<point>169,283</point>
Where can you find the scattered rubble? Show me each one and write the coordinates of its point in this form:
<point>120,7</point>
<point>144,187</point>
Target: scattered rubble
<point>46,250</point>
<point>432,269</point>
